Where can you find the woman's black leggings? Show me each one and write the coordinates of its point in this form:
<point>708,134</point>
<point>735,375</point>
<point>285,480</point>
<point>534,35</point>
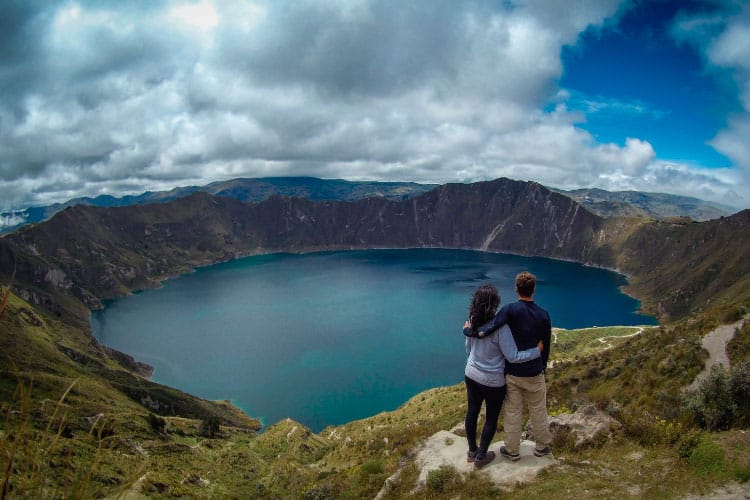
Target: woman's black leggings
<point>493,398</point>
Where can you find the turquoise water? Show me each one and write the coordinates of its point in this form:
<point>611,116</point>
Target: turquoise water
<point>327,338</point>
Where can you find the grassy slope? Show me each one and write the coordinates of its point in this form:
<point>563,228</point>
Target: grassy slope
<point>353,460</point>
<point>638,379</point>
<point>682,269</point>
<point>52,439</point>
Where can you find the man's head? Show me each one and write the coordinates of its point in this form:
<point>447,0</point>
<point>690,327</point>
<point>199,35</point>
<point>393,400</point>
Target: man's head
<point>525,284</point>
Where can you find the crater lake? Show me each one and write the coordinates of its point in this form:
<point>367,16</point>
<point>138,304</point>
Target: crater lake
<point>327,338</point>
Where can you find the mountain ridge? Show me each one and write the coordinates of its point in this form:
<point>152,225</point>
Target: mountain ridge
<point>603,203</point>
<point>645,204</point>
<point>242,189</point>
<point>102,253</point>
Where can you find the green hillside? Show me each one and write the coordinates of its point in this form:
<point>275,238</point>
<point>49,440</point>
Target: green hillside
<point>80,420</point>
<point>94,440</point>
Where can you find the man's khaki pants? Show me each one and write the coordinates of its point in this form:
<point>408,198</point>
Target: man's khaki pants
<point>534,391</point>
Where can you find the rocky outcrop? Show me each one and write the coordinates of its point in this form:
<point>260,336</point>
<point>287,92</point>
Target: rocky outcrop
<point>588,426</point>
<point>129,362</point>
<point>446,449</point>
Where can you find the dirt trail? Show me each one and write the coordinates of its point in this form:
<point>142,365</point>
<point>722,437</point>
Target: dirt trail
<point>715,342</point>
<point>605,340</point>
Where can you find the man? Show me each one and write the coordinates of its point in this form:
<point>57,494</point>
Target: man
<point>529,324</point>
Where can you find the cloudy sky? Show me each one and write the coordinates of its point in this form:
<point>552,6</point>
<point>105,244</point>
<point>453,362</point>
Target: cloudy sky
<point>121,97</point>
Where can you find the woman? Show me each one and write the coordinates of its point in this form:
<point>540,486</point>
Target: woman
<point>484,373</point>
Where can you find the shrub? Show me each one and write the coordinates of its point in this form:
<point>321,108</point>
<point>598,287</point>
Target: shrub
<point>722,399</point>
<point>738,348</point>
<point>687,443</point>
<point>711,406</point>
<point>439,479</point>
<point>650,429</point>
<point>210,427</point>
<point>315,492</point>
<point>563,440</point>
<point>734,313</point>
<point>639,426</point>
<point>157,424</point>
<point>739,383</point>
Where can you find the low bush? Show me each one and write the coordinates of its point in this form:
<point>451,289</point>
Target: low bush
<point>650,430</point>
<point>738,348</point>
<point>722,400</point>
<point>157,423</point>
<point>439,480</point>
<point>210,427</point>
<point>739,384</point>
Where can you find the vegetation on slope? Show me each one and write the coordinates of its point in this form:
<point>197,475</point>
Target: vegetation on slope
<point>71,415</point>
<point>77,419</point>
<point>96,441</point>
<point>679,269</point>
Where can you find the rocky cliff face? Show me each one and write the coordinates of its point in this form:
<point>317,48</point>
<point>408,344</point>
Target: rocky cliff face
<point>85,254</point>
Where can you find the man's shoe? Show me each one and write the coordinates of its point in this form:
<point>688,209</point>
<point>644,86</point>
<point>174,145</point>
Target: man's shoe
<point>544,452</point>
<point>481,461</point>
<point>471,456</point>
<point>510,456</point>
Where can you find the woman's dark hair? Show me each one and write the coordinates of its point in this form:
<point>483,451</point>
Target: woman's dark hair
<point>483,305</point>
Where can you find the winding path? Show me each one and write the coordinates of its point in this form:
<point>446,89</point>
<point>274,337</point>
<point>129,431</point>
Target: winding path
<point>715,342</point>
<point>605,340</point>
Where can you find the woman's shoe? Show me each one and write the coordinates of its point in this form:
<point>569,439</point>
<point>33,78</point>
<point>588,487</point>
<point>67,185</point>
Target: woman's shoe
<point>480,462</point>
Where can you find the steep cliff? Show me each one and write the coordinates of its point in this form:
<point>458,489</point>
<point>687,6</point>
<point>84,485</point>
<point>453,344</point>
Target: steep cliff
<point>85,254</point>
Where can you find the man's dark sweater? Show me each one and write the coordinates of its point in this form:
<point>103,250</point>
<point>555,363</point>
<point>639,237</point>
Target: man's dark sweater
<point>529,324</point>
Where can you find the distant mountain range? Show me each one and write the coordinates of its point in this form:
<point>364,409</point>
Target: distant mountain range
<point>598,201</point>
<point>653,205</point>
<point>244,190</point>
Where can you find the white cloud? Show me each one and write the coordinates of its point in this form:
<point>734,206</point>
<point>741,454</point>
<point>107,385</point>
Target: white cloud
<point>114,99</point>
<point>725,42</point>
<point>12,219</point>
<point>201,16</point>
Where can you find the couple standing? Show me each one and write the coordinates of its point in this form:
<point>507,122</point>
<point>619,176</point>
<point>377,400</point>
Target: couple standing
<point>507,355</point>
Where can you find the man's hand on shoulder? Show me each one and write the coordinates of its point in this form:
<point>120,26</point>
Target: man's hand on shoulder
<point>467,329</point>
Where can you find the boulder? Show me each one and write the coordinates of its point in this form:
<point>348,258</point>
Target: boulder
<point>588,426</point>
